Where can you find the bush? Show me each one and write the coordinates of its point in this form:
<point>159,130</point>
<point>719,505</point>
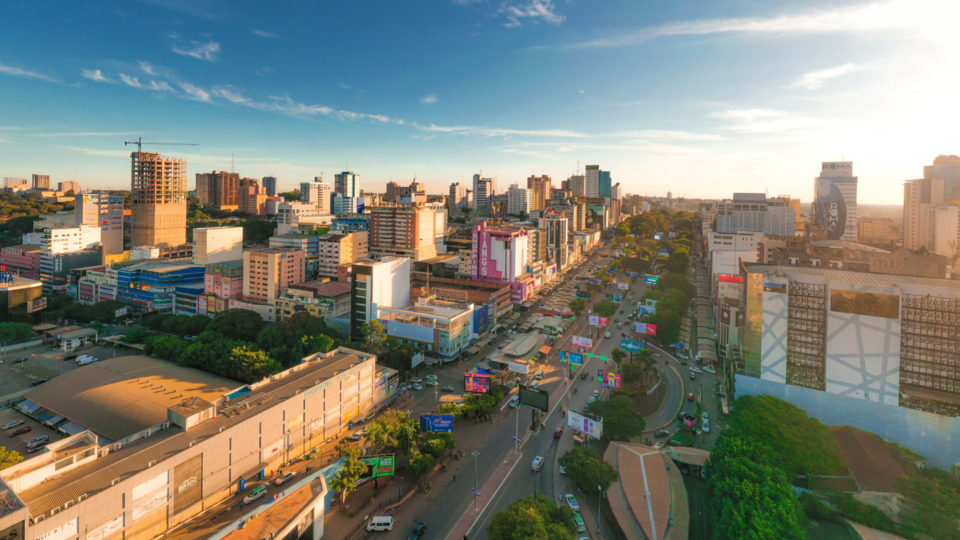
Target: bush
<point>420,463</point>
<point>814,508</point>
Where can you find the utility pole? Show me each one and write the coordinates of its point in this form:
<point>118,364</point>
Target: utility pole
<point>476,479</point>
<point>599,496</point>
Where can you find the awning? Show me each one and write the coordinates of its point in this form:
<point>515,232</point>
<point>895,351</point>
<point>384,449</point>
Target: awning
<point>545,349</point>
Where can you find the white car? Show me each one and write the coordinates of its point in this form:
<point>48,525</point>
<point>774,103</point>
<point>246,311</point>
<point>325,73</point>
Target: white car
<point>705,416</point>
<point>431,377</point>
<point>709,369</point>
<point>572,502</point>
<point>418,387</point>
<point>706,425</point>
<point>432,382</point>
<point>416,379</point>
<point>607,334</point>
<point>596,393</point>
<point>536,464</point>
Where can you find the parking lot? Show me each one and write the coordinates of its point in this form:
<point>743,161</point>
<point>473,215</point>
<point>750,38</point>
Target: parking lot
<point>43,362</point>
<point>19,442</point>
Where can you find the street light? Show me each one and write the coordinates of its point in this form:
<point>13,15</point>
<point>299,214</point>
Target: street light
<point>599,496</point>
<point>476,478</point>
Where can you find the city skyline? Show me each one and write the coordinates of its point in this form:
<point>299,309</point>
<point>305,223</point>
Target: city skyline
<point>694,98</point>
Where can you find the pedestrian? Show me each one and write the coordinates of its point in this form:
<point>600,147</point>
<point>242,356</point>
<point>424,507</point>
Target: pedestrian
<point>454,477</point>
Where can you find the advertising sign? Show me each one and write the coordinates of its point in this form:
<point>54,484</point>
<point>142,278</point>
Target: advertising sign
<point>608,379</point>
<point>623,286</point>
<point>519,366</point>
<point>537,398</point>
<point>586,343</point>
<point>587,426</point>
<point>575,359</point>
<point>477,383</point>
<point>120,312</point>
<point>187,483</point>
<point>378,466</point>
<point>651,279</point>
<point>436,423</point>
<point>596,320</point>
<point>647,328</point>
<point>830,208</point>
<point>726,278</point>
<point>416,359</point>
<point>617,298</point>
<point>633,274</point>
<point>631,346</point>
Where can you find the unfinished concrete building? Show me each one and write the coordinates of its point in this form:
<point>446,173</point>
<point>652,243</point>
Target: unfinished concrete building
<point>158,200</point>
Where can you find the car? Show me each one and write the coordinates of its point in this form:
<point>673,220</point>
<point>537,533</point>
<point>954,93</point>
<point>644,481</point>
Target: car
<point>591,399</point>
<point>20,360</point>
<point>416,379</point>
<point>596,393</point>
<point>514,401</point>
<point>12,424</point>
<point>693,375</point>
<point>606,334</point>
<point>558,433</point>
<point>258,492</point>
<point>417,386</point>
<point>355,436</point>
<point>536,464</point>
<point>662,432</point>
<point>534,383</point>
<point>709,369</point>
<point>539,374</point>
<point>418,530</point>
<point>431,377</point>
<point>432,383</point>
<point>572,502</point>
<point>686,416</point>
<point>706,425</point>
<point>283,479</point>
<point>705,415</point>
<point>20,431</point>
<point>447,388</point>
<point>695,370</point>
<point>38,382</point>
<point>690,396</point>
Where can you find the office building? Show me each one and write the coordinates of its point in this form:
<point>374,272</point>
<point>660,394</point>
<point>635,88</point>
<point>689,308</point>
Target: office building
<point>268,272</point>
<point>347,184</point>
<point>309,244</point>
<point>59,240</point>
<point>15,184</point>
<point>577,185</point>
<point>224,280</point>
<point>270,185</point>
<point>518,201</point>
<point>882,232</point>
<point>438,327</point>
<point>418,193</point>
<point>874,351</point>
<point>939,187</point>
<point>252,199</point>
<point>500,255</point>
<point>219,189</point>
<point>459,198</point>
<point>754,212</point>
<point>403,231</point>
<point>152,285</point>
<point>291,214</point>
<point>339,249</point>
<point>138,472</point>
<point>350,222</point>
<point>331,299</point>
<point>104,210</point>
<point>395,192</point>
<point>68,187</point>
<point>40,181</point>
<point>558,237</point>
<point>217,244</point>
<point>834,208</point>
<point>483,191</point>
<point>374,284</point>
<point>597,183</point>
<point>158,197</point>
<point>540,191</point>
<point>23,259</point>
<point>340,204</point>
<point>318,194</point>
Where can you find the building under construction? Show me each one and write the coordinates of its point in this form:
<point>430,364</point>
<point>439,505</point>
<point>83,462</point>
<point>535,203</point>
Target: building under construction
<point>158,200</point>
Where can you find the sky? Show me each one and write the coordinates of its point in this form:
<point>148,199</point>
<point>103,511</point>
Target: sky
<point>697,97</point>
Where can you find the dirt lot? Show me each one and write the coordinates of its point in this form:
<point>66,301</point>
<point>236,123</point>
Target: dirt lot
<point>872,463</point>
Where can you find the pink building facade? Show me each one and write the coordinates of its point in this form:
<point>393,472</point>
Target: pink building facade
<point>500,255</point>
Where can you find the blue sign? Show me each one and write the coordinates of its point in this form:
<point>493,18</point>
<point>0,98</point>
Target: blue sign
<point>631,346</point>
<point>648,278</point>
<point>575,359</point>
<point>481,319</point>
<point>633,274</point>
<point>436,423</point>
<point>611,270</point>
<point>618,298</point>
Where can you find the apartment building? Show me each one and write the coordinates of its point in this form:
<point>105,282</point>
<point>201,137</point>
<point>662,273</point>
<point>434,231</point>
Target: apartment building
<point>338,249</point>
<point>104,210</point>
<point>219,189</point>
<point>403,231</point>
<point>268,272</point>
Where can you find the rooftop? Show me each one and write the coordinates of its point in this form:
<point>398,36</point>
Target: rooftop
<point>841,244</point>
<point>854,278</point>
<point>330,288</point>
<point>643,485</point>
<point>19,283</point>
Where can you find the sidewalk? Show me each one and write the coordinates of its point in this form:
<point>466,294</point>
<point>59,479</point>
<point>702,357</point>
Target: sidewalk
<point>487,491</point>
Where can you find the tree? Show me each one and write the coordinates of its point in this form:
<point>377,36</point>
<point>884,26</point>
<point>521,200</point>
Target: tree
<point>618,355</point>
<point>577,305</point>
<point>8,458</point>
<point>621,417</point>
<point>236,324</point>
<point>346,478</point>
<point>587,468</point>
<point>250,365</point>
<point>317,343</point>
<point>535,518</point>
<point>15,332</point>
<point>605,308</point>
<point>393,429</point>
<point>374,336</point>
<point>420,463</point>
<point>436,444</point>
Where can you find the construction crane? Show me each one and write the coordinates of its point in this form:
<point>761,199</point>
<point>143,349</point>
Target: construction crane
<point>139,142</point>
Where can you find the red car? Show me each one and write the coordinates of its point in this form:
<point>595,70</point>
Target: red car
<point>558,433</point>
<point>690,396</point>
<point>20,431</point>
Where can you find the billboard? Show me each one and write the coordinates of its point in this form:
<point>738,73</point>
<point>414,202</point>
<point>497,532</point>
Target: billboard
<point>830,208</point>
<point>477,383</point>
<point>646,328</point>
<point>631,346</point>
<point>575,359</point>
<point>865,303</point>
<point>608,379</point>
<point>378,466</point>
<point>623,286</point>
<point>537,398</point>
<point>187,483</point>
<point>617,298</point>
<point>727,278</point>
<point>586,343</point>
<point>775,287</point>
<point>436,423</point>
<point>596,320</point>
<point>632,274</point>
<point>481,319</point>
<point>416,359</point>
<point>588,426</point>
<point>651,279</point>
<point>519,366</point>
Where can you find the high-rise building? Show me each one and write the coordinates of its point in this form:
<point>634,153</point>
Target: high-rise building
<point>318,194</point>
<point>558,238</point>
<point>374,284</point>
<point>418,192</point>
<point>60,240</point>
<point>340,204</point>
<point>940,186</point>
<point>834,207</point>
<point>577,185</point>
<point>518,201</point>
<point>252,199</point>
<point>393,193</point>
<point>339,249</point>
<point>104,210</point>
<point>309,244</point>
<point>459,199</point>
<point>270,185</point>
<point>540,191</point>
<point>500,254</point>
<point>217,244</point>
<point>219,189</point>
<point>158,198</point>
<point>347,184</point>
<point>403,231</point>
<point>268,272</point>
<point>68,187</point>
<point>754,212</point>
<point>592,181</point>
<point>483,191</point>
<point>41,181</point>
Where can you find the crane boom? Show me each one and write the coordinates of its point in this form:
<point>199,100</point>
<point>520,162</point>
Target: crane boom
<point>139,142</point>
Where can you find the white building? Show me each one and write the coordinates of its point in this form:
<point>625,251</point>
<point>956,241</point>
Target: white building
<point>317,194</point>
<point>518,200</point>
<point>217,244</point>
<point>591,184</point>
<point>438,327</point>
<point>834,207</point>
<point>754,212</point>
<point>105,210</point>
<point>68,239</point>
<point>483,190</point>
<point>291,214</point>
<point>347,184</point>
<point>459,198</point>
<point>375,284</point>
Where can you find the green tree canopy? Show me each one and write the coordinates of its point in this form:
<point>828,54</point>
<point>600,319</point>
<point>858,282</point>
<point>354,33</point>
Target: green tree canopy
<point>9,458</point>
<point>237,324</point>
<point>346,478</point>
<point>621,417</point>
<point>605,308</point>
<point>533,518</point>
<point>394,429</point>
<point>15,332</point>
<point>577,305</point>
<point>587,468</point>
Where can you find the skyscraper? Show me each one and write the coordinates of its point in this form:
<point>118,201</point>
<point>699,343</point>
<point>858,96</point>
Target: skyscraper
<point>518,200</point>
<point>41,181</point>
<point>270,185</point>
<point>219,189</point>
<point>347,184</point>
<point>557,237</point>
<point>104,210</point>
<point>403,231</point>
<point>483,190</point>
<point>925,222</point>
<point>592,181</point>
<point>158,200</point>
<point>459,198</point>
<point>318,194</point>
<point>540,191</point>
<point>577,185</point>
<point>835,201</point>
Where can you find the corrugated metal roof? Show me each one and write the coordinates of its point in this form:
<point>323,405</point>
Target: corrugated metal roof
<point>854,278</point>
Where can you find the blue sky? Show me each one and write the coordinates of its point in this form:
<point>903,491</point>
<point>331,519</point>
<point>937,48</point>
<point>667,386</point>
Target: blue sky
<point>698,97</point>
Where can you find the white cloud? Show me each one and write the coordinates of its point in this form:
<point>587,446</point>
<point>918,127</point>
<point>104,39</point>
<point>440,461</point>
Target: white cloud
<point>147,67</point>
<point>96,75</point>
<point>17,71</point>
<point>759,120</point>
<point>264,71</point>
<point>916,16</point>
<point>201,51</point>
<point>266,34</point>
<point>162,86</point>
<point>130,81</point>
<point>98,152</point>
<point>429,99</point>
<point>669,134</point>
<point>814,80</point>
<point>232,95</point>
<point>344,85</point>
<point>502,132</point>
<point>535,11</point>
<point>529,153</point>
<point>195,92</point>
<point>84,134</point>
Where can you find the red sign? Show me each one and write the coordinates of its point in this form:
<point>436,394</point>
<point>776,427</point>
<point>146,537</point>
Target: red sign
<point>604,321</point>
<point>725,278</point>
